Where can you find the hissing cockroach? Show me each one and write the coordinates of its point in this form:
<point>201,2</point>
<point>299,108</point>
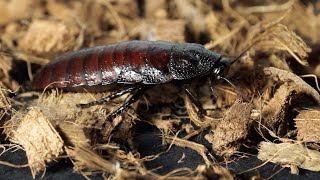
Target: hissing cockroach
<point>136,64</point>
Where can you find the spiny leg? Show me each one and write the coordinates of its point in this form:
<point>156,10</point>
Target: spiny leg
<point>110,97</point>
<point>213,91</point>
<point>195,101</point>
<point>128,102</point>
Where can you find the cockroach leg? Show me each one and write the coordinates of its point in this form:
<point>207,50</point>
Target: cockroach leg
<point>110,97</point>
<point>135,96</point>
<point>213,91</point>
<point>195,101</point>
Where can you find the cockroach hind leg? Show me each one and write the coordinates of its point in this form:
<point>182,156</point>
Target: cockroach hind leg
<point>108,98</point>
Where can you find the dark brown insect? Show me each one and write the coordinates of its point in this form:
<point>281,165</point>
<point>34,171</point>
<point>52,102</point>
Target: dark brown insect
<point>136,64</point>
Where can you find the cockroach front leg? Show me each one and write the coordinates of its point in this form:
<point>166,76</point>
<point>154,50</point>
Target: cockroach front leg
<point>195,101</point>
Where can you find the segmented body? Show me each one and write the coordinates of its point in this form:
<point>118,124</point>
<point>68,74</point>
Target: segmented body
<point>128,63</point>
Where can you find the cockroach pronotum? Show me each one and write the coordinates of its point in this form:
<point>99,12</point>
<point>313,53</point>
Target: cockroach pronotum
<point>138,65</point>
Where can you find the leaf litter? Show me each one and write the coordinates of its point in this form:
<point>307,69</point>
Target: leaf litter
<point>282,35</point>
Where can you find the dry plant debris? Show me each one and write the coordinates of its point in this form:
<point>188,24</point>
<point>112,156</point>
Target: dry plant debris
<point>5,106</point>
<point>73,134</point>
<point>49,37</point>
<point>87,161</point>
<point>275,112</point>
<point>217,172</point>
<point>282,35</point>
<point>201,149</point>
<point>18,10</point>
<point>308,123</point>
<point>39,139</point>
<point>293,82</point>
<point>152,30</point>
<point>290,154</point>
<point>233,130</point>
<point>271,36</point>
<point>5,79</point>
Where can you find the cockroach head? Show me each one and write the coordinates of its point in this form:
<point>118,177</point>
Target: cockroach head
<point>221,68</point>
<point>192,61</point>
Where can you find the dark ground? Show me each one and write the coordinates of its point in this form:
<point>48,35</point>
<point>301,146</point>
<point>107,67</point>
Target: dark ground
<point>148,137</point>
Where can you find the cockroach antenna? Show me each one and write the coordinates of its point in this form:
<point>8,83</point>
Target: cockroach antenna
<point>228,81</point>
<point>237,89</point>
<point>246,50</point>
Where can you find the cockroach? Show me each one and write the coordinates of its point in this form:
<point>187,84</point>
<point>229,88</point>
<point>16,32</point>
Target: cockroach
<point>138,65</point>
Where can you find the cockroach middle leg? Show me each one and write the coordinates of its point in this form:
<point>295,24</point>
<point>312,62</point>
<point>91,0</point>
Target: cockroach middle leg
<point>195,101</point>
<point>135,96</point>
<point>110,97</point>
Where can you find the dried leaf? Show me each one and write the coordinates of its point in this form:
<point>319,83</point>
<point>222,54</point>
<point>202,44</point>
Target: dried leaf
<point>275,112</point>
